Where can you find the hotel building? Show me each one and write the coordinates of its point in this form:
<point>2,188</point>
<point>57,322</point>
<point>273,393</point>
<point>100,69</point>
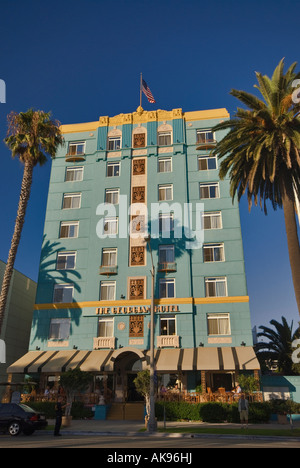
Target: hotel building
<point>113,182</point>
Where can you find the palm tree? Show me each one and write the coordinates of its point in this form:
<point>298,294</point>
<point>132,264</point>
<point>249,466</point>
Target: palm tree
<point>279,347</point>
<point>31,136</point>
<point>261,153</point>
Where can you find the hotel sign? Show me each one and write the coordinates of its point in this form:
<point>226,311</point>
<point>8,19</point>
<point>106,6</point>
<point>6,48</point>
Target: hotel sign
<point>135,309</point>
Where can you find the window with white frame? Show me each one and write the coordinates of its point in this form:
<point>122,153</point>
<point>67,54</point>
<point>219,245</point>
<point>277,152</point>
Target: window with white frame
<point>216,287</point>
<point>164,164</point>
<point>110,226</point>
<point>166,222</point>
<point>76,148</point>
<point>165,192</point>
<point>205,136</point>
<point>72,200</point>
<point>218,324</point>
<point>112,196</point>
<point>66,260</point>
<point>167,287</point>
<point>166,254</point>
<point>69,229</point>
<point>164,138</point>
<point>213,252</point>
<point>59,329</point>
<point>108,290</point>
<point>212,220</point>
<point>63,293</point>
<point>106,327</point>
<point>114,143</point>
<point>168,325</point>
<point>109,257</point>
<point>113,169</point>
<point>74,174</point>
<point>209,190</point>
<point>207,163</point>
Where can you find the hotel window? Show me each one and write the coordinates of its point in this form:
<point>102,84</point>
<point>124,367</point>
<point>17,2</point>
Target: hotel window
<point>164,138</point>
<point>218,324</point>
<point>206,163</point>
<point>209,190</point>
<point>213,253</point>
<point>205,136</point>
<point>109,257</point>
<point>114,143</point>
<point>113,169</point>
<point>69,229</point>
<point>165,192</point>
<point>112,196</point>
<point>72,200</point>
<point>168,325</point>
<point>216,287</point>
<point>165,165</point>
<point>212,220</point>
<point>108,290</point>
<point>76,148</point>
<point>166,254</point>
<point>63,293</point>
<point>166,288</point>
<point>74,174</point>
<point>166,222</point>
<point>110,226</point>
<point>66,260</point>
<point>106,327</point>
<point>59,329</point>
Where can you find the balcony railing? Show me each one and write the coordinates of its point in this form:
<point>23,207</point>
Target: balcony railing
<point>73,157</point>
<point>168,341</point>
<point>108,270</point>
<point>206,144</point>
<point>167,266</point>
<point>101,342</point>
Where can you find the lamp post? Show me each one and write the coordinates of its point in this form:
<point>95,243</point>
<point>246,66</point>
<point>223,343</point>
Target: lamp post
<point>152,425</point>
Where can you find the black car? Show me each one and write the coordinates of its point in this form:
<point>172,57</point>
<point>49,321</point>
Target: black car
<point>17,418</point>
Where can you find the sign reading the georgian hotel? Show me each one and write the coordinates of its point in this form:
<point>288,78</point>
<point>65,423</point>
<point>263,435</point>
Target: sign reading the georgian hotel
<point>135,309</point>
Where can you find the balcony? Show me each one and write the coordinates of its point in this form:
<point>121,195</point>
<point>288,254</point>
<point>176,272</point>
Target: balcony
<point>171,341</point>
<point>102,342</point>
<point>206,144</point>
<point>74,157</point>
<point>167,266</point>
<point>108,270</point>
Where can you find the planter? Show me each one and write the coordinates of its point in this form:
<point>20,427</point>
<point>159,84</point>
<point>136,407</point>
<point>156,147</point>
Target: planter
<point>66,421</point>
<point>282,419</point>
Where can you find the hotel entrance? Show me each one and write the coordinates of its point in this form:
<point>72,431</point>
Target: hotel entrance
<point>126,366</point>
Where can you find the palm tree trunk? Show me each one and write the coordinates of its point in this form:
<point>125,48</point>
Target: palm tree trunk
<point>23,200</point>
<point>293,244</point>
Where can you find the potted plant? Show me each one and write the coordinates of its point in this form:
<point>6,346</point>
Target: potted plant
<point>72,382</point>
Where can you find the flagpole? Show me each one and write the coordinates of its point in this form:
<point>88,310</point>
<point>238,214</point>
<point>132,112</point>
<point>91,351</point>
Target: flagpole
<point>141,90</point>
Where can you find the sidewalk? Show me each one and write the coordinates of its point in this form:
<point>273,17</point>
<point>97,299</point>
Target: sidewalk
<point>133,428</point>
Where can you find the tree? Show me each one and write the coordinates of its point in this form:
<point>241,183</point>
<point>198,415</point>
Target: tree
<point>261,152</point>
<point>142,384</point>
<point>279,347</point>
<point>74,381</point>
<point>31,137</point>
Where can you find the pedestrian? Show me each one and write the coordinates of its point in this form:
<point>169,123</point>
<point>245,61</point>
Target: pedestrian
<point>58,416</point>
<point>243,407</point>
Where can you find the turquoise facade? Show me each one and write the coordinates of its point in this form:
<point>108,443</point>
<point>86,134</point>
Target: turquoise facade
<point>190,306</point>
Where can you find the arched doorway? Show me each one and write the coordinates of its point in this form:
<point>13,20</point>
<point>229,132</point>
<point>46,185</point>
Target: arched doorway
<point>127,363</point>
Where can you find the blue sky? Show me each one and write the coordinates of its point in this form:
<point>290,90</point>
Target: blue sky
<point>83,59</point>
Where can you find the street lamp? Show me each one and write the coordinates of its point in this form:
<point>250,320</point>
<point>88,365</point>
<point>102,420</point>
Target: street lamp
<point>152,425</point>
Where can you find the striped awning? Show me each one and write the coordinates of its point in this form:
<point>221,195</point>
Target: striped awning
<point>167,360</point>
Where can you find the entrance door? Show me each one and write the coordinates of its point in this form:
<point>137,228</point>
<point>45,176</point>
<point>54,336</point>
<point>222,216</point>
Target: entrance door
<point>132,394</point>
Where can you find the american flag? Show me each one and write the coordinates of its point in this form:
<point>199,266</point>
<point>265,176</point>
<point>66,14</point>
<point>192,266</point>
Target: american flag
<point>147,92</point>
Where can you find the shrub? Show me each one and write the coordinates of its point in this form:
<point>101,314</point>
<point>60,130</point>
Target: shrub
<point>79,411</point>
<point>213,412</point>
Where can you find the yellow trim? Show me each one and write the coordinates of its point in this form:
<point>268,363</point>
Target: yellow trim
<point>122,303</point>
<point>142,116</point>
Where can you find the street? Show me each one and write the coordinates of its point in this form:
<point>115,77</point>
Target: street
<point>113,443</point>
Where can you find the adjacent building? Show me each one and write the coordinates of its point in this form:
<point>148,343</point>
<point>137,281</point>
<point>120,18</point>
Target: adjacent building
<point>114,182</point>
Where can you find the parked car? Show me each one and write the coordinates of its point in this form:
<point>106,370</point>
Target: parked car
<point>17,418</point>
